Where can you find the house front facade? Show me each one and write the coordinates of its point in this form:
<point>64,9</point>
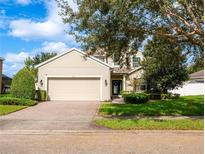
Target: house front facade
<point>72,76</point>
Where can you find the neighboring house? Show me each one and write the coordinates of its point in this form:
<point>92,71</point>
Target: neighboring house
<point>6,83</point>
<point>1,67</point>
<point>71,76</point>
<point>194,86</point>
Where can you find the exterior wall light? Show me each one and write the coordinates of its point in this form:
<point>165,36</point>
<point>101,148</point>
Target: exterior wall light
<point>41,83</point>
<point>105,82</point>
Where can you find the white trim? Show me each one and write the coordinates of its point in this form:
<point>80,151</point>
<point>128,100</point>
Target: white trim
<point>101,88</point>
<point>75,76</point>
<point>124,83</point>
<point>116,66</point>
<point>77,51</point>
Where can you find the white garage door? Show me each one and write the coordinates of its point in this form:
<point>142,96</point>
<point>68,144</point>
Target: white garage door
<point>74,89</point>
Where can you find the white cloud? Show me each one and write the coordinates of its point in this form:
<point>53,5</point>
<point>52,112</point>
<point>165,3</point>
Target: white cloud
<point>54,46</point>
<point>14,62</point>
<point>23,2</point>
<point>32,30</point>
<point>12,69</point>
<point>50,47</point>
<point>52,28</point>
<point>16,58</point>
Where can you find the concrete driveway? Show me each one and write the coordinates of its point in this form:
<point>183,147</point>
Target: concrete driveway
<point>53,115</point>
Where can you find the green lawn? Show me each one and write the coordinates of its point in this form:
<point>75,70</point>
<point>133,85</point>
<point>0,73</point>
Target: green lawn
<point>145,124</point>
<point>187,106</point>
<point>6,109</point>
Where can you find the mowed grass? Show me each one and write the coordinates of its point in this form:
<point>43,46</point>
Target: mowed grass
<point>147,124</point>
<point>186,106</point>
<point>6,109</point>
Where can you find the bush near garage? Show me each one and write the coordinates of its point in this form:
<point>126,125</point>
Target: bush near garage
<point>23,85</point>
<point>17,101</point>
<point>135,98</point>
<point>41,95</point>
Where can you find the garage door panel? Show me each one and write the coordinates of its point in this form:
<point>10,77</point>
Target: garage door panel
<point>74,89</point>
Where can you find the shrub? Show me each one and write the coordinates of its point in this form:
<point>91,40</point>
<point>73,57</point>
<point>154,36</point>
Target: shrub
<point>23,85</point>
<point>16,101</point>
<point>5,95</point>
<point>166,96</point>
<point>124,92</point>
<point>135,98</point>
<point>41,95</point>
<point>154,96</point>
<point>175,96</point>
<point>170,96</point>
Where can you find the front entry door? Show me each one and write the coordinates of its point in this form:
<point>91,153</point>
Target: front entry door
<point>116,87</point>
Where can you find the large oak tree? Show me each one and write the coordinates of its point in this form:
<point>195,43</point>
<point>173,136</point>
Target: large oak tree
<point>120,27</point>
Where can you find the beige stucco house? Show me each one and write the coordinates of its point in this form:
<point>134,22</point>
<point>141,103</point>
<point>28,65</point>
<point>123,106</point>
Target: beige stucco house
<point>71,76</point>
<point>1,67</point>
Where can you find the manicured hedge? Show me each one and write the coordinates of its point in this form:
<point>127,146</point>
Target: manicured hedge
<point>135,98</point>
<point>16,101</point>
<point>41,95</point>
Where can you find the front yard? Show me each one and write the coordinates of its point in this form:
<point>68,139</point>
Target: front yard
<point>6,109</point>
<point>9,104</point>
<point>183,106</point>
<point>130,124</point>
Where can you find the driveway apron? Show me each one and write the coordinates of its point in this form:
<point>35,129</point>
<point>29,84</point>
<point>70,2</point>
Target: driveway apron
<point>53,115</point>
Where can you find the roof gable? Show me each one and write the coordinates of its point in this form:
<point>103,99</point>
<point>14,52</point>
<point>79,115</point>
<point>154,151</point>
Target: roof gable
<point>73,50</point>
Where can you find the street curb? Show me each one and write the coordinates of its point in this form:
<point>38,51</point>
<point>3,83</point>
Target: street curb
<point>76,132</point>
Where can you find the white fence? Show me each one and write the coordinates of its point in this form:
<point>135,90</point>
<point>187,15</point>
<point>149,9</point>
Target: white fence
<point>190,89</point>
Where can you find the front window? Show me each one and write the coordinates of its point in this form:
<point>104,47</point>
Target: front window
<point>136,61</point>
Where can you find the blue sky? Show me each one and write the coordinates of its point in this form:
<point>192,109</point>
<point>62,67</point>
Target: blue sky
<point>28,27</point>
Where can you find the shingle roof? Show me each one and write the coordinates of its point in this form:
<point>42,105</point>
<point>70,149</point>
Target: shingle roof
<point>121,70</point>
<point>199,74</point>
<point>124,70</point>
<point>6,77</point>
